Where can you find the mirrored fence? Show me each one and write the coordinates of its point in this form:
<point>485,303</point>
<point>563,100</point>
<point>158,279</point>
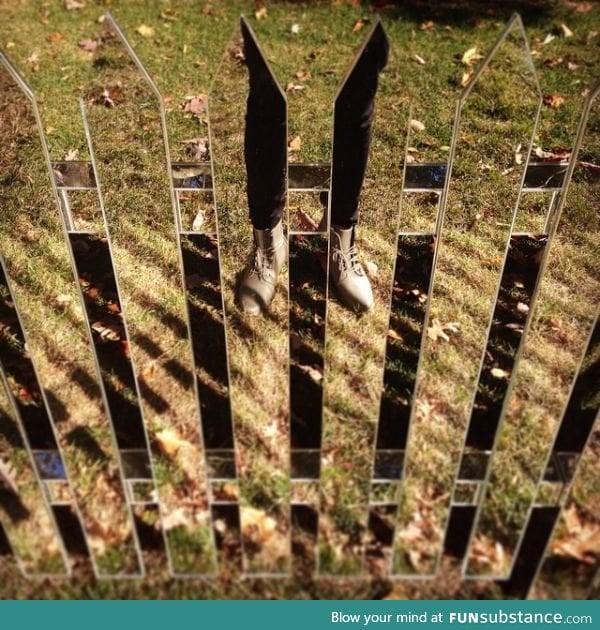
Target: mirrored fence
<point>49,372</point>
<point>153,423</point>
<point>477,210</point>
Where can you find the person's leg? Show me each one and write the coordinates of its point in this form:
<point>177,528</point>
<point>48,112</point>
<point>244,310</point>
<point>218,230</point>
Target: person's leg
<point>353,117</point>
<point>265,141</point>
<point>265,153</point>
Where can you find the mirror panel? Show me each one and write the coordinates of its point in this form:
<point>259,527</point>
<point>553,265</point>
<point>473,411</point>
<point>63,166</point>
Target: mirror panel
<point>478,204</point>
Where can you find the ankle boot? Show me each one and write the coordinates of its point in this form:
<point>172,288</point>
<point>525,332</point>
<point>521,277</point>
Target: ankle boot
<point>257,286</point>
<point>346,273</point>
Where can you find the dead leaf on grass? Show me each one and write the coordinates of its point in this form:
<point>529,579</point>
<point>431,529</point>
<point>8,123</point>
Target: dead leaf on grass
<point>554,100</point>
<point>566,31</point>
<point>197,148</point>
<point>170,442</point>
<point>417,125</point>
<point>419,60</point>
<point>195,105</point>
<point>466,77</point>
<point>261,14</point>
<point>54,38</point>
<point>314,373</point>
<point>359,25</point>
<point>548,39</point>
<point>72,5</point>
<point>582,540</point>
<point>499,373</point>
<point>471,56</point>
<point>108,332</point>
<point>34,61</point>
<point>305,221</point>
<point>427,26</point>
<point>437,330</point>
<point>295,144</point>
<point>89,45</point>
<point>145,31</point>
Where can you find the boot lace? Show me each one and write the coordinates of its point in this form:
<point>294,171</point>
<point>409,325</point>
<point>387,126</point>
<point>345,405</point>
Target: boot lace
<point>263,264</point>
<point>347,261</point>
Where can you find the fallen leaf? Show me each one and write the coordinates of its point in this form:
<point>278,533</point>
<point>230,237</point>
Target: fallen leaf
<point>359,25</point>
<point>108,332</point>
<point>294,87</point>
<point>195,105</point>
<point>553,100</point>
<point>519,155</point>
<point>567,32</point>
<point>554,156</point>
<point>295,144</point>
<point>372,269</point>
<point>548,39</point>
<point>71,154</point>
<point>584,7</point>
<point>257,525</point>
<point>471,56</point>
<point>198,221</point>
<point>89,45</point>
<point>145,31</point>
<point>437,330</point>
<point>419,59</point>
<point>177,518</point>
<point>71,5</point>
<point>499,373</point>
<point>170,442</point>
<point>582,540</point>
<point>392,334</point>
<point>261,14</point>
<point>106,99</point>
<point>305,221</point>
<point>197,148</point>
<point>314,373</point>
<point>54,38</point>
<point>416,125</point>
<point>552,62</point>
<point>168,15</point>
<point>572,66</point>
<point>427,26</point>
<point>295,29</point>
<point>302,75</point>
<point>466,77</point>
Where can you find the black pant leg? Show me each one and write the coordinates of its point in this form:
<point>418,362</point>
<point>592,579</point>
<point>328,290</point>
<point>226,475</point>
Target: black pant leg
<point>353,118</point>
<point>265,142</point>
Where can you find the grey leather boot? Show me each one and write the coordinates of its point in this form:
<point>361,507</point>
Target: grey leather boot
<point>346,273</point>
<point>257,286</point>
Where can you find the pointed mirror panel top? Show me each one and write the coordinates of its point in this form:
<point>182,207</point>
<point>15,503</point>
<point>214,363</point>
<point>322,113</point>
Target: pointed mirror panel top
<point>126,121</point>
<point>496,117</point>
<point>248,126</point>
<point>563,312</point>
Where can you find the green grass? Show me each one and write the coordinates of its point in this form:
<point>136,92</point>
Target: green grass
<point>184,56</point>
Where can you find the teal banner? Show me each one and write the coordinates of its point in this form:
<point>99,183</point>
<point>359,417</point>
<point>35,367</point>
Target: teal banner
<point>292,615</point>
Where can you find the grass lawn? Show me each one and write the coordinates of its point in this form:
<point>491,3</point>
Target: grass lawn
<point>191,49</point>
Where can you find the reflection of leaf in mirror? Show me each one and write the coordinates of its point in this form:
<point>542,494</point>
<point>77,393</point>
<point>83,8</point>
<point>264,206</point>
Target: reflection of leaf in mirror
<point>582,538</point>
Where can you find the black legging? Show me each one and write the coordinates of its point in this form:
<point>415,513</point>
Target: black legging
<point>265,141</point>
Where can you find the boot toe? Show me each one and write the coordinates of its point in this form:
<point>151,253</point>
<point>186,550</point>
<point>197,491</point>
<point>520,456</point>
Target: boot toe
<point>356,294</point>
<point>255,295</point>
